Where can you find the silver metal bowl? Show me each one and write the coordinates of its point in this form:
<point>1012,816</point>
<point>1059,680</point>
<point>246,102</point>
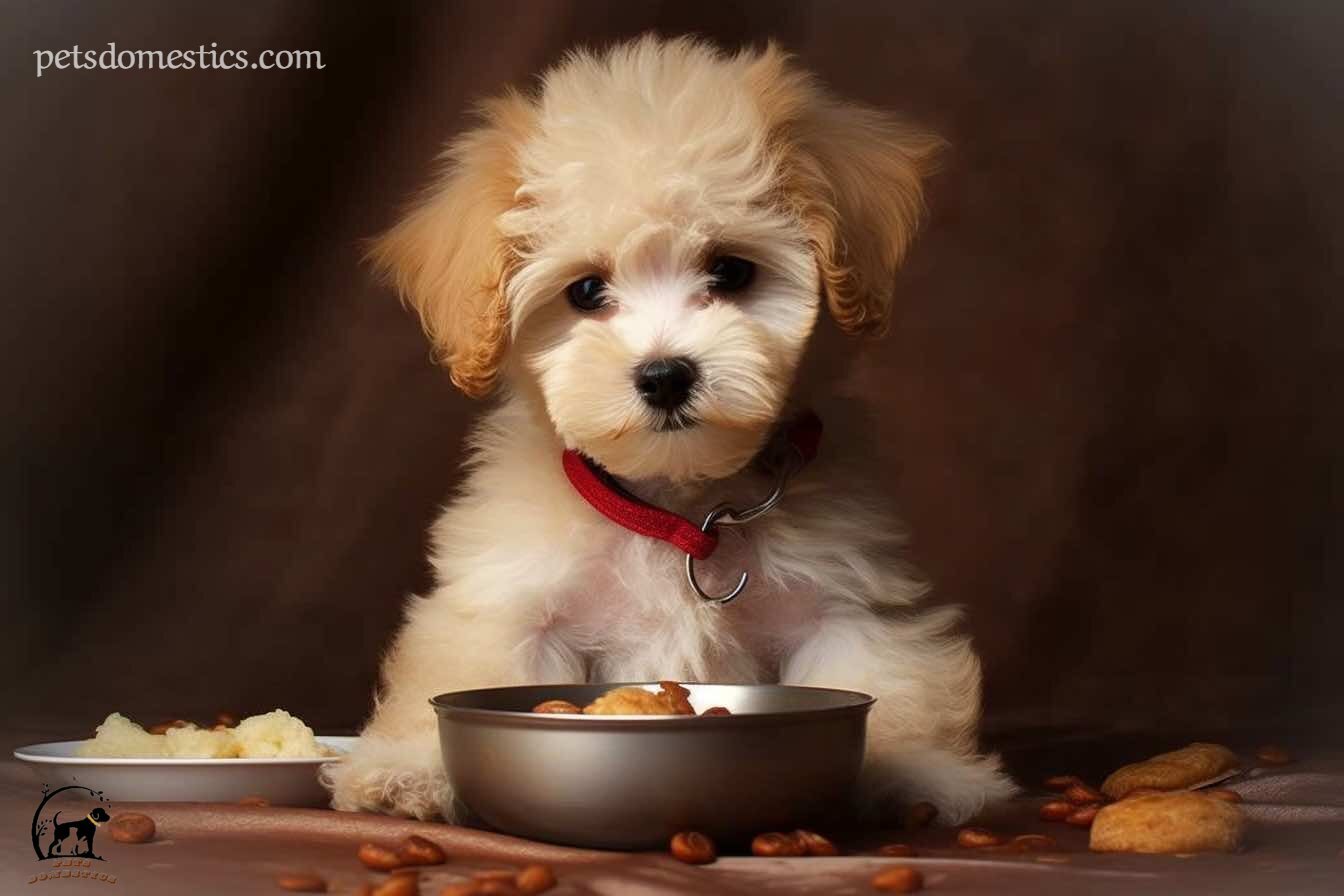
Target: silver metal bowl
<point>783,758</point>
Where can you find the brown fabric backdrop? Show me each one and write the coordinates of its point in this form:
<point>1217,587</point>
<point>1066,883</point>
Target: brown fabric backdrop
<point>1110,400</point>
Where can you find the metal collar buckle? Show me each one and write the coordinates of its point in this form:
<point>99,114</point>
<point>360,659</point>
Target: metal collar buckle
<point>790,463</point>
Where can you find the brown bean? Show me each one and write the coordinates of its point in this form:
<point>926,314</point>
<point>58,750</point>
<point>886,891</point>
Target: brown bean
<point>1062,782</point>
<point>1056,810</point>
<point>897,850</point>
<point>977,838</point>
<point>302,882</point>
<point>256,802</point>
<point>920,815</point>
<point>1270,754</point>
<point>1143,791</point>
<point>716,711</point>
<point>693,848</point>
<point>462,888</point>
<point>378,858</point>
<point>1226,794</point>
<point>1083,816</point>
<point>815,844</point>
<point>898,879</point>
<point>416,850</point>
<point>131,827</point>
<point>401,883</point>
<point>1034,841</point>
<point>1081,794</point>
<point>557,706</point>
<point>536,879</point>
<point>775,844</point>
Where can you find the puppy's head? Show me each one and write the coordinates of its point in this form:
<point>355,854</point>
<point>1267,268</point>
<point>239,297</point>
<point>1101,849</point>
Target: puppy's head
<point>647,242</point>
<point>99,814</point>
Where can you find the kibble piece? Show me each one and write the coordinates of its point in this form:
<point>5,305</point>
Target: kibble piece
<point>536,879</point>
<point>302,882</point>
<point>1273,755</point>
<point>898,879</point>
<point>378,858</point>
<point>1083,816</point>
<point>978,838</point>
<point>815,844</point>
<point>897,850</point>
<point>678,696</point>
<point>131,827</point>
<point>1168,823</point>
<point>1081,794</point>
<point>1034,841</point>
<point>401,883</point>
<point>1062,782</point>
<point>693,848</point>
<point>716,711</point>
<point>461,888</point>
<point>1187,767</point>
<point>416,850</point>
<point>556,707</point>
<point>1056,810</point>
<point>920,815</point>
<point>775,844</point>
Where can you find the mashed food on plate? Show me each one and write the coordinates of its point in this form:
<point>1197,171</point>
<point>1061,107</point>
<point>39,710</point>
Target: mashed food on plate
<point>274,734</point>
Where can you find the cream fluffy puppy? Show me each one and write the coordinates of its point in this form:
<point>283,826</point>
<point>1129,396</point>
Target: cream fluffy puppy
<point>666,204</point>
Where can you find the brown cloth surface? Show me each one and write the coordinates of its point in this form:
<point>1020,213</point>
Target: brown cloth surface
<point>1295,845</point>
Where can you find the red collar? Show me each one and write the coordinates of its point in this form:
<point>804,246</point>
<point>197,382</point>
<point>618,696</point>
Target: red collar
<point>600,489</point>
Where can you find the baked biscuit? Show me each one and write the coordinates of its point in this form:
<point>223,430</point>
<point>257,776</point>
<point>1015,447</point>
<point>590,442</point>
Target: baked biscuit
<point>670,701</point>
<point>1176,822</point>
<point>1187,767</point>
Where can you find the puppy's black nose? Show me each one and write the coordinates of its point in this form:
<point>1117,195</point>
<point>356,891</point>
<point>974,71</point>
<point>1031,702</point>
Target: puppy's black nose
<point>665,382</point>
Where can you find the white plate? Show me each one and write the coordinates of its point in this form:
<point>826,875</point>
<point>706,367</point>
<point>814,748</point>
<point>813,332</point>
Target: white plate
<point>284,781</point>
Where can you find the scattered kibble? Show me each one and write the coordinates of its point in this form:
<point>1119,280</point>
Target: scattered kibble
<point>898,879</point>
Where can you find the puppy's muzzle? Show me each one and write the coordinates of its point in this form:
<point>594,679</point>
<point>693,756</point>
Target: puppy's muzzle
<point>665,383</point>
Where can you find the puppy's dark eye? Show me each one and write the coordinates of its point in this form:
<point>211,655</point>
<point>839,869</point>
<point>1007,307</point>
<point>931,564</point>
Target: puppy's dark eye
<point>586,294</point>
<point>731,273</point>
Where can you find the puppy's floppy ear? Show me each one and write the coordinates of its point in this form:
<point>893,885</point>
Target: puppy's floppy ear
<point>447,256</point>
<point>854,177</point>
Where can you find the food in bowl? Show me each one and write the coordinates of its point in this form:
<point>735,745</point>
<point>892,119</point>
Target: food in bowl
<point>670,700</point>
<point>275,734</point>
<point>786,757</point>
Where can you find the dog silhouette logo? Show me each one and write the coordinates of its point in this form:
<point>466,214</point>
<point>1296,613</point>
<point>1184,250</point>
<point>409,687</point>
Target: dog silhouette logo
<point>73,837</point>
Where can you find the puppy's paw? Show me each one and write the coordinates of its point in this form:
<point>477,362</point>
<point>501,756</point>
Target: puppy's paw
<point>394,776</point>
<point>959,786</point>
